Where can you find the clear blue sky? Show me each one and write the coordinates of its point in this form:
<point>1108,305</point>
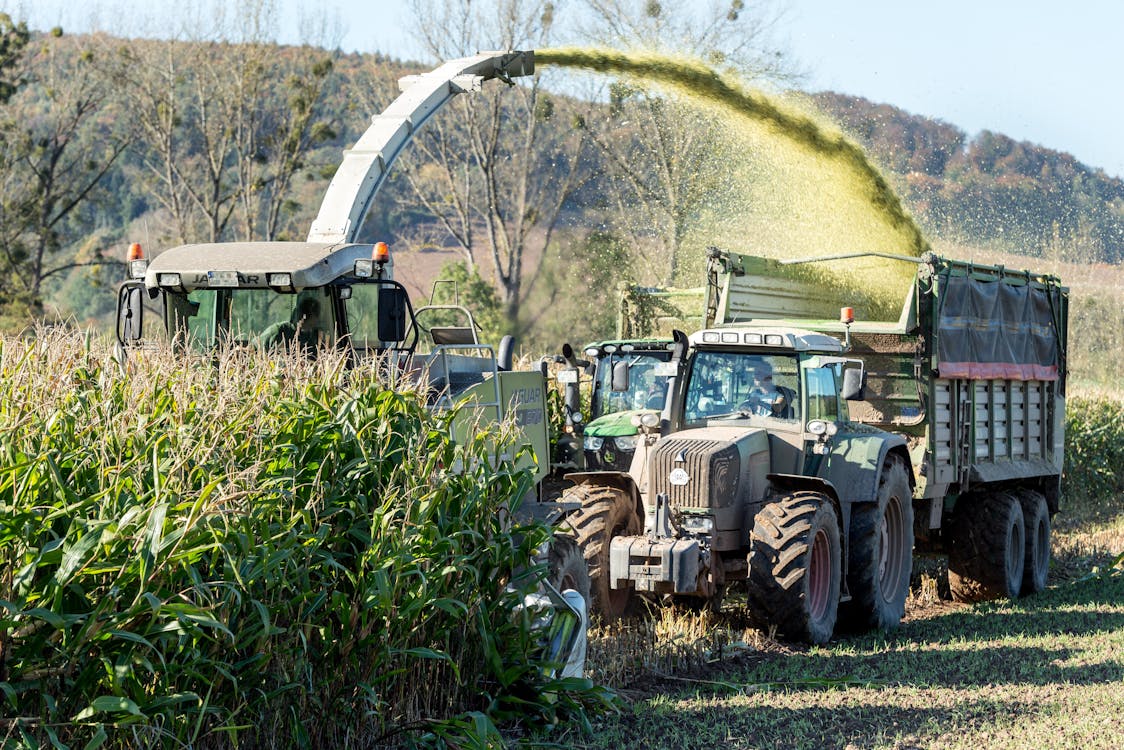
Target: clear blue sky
<point>1046,72</point>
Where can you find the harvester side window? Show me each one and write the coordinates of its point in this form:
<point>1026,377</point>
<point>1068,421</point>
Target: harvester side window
<point>363,317</point>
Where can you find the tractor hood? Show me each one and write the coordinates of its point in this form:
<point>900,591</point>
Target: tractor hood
<point>615,424</point>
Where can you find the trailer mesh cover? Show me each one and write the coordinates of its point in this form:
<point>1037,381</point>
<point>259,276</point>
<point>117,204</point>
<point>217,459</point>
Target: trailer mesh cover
<point>996,330</point>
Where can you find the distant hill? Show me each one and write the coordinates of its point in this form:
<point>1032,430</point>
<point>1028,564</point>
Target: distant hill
<point>989,189</point>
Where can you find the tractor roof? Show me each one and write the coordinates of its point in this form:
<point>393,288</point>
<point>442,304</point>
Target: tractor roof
<point>767,337</point>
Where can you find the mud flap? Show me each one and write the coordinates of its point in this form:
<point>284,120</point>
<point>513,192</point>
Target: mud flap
<point>665,567</point>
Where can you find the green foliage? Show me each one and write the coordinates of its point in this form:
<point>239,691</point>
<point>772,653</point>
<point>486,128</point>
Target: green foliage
<point>260,553</point>
<point>13,39</point>
<point>1094,451</point>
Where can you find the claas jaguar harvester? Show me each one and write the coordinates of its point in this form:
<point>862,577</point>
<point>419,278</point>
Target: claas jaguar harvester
<point>810,458</point>
<point>336,291</point>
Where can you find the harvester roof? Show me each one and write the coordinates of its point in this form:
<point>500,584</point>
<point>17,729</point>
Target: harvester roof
<point>247,264</point>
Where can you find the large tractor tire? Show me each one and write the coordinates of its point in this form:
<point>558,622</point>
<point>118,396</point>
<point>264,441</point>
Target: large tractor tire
<point>1036,519</point>
<point>987,549</point>
<point>795,567</point>
<point>567,567</point>
<point>605,512</point>
<point>880,554</point>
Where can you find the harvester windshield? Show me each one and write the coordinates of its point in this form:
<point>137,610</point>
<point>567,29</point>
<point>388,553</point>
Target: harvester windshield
<point>646,390</point>
<point>204,318</point>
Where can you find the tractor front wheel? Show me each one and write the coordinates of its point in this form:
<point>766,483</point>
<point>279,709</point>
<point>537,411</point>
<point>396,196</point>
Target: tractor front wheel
<point>605,512</point>
<point>795,567</point>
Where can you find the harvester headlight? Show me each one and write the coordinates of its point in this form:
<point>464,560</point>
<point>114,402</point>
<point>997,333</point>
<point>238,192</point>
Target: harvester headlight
<point>774,339</point>
<point>593,443</point>
<point>138,266</point>
<point>169,280</point>
<point>592,352</point>
<point>626,442</point>
<point>753,338</point>
<point>729,337</point>
<point>364,268</point>
<point>649,419</point>
<point>710,337</point>
<point>279,280</point>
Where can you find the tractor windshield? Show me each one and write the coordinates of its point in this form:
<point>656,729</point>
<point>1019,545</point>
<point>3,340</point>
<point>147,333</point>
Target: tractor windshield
<point>742,384</point>
<point>646,390</point>
<point>204,318</point>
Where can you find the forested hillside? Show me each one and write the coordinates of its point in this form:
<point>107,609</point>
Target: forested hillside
<point>988,189</point>
<point>108,141</point>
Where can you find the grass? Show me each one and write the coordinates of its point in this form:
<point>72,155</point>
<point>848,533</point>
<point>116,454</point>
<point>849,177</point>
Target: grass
<point>1044,671</point>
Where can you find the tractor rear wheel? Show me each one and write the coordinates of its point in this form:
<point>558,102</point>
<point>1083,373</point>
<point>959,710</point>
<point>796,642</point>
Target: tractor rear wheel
<point>795,567</point>
<point>605,512</point>
<point>880,554</point>
<point>987,548</point>
<point>1036,517</point>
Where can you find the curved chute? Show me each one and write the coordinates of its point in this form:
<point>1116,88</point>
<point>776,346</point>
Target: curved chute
<point>366,164</point>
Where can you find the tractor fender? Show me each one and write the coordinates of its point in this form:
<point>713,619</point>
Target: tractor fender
<point>854,465</point>
<point>785,483</point>
<point>618,479</point>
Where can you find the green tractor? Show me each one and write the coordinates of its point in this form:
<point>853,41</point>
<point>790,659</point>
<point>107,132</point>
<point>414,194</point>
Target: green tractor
<point>625,379</point>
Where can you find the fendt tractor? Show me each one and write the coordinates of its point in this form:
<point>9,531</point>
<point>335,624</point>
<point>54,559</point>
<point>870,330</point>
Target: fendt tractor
<point>333,291</point>
<point>810,459</point>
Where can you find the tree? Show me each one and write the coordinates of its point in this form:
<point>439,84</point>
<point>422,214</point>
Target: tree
<point>222,141</point>
<point>59,142</point>
<point>500,174</point>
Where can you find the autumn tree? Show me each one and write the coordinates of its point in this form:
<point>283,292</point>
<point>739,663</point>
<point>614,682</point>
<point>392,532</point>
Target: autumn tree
<point>658,154</point>
<point>221,139</point>
<point>59,143</point>
<point>497,173</point>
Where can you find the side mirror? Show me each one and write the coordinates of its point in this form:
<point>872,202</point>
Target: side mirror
<point>854,384</point>
<point>620,377</point>
<point>392,314</point>
<point>130,313</point>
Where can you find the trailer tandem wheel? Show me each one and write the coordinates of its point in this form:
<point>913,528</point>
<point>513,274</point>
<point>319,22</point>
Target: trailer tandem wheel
<point>986,551</point>
<point>1036,517</point>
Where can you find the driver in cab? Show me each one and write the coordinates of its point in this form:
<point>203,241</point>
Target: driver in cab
<point>765,399</point>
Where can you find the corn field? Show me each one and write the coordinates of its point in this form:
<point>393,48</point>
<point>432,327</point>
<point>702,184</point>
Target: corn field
<point>252,552</point>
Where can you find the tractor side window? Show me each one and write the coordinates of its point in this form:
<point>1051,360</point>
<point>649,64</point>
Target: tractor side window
<point>823,396</point>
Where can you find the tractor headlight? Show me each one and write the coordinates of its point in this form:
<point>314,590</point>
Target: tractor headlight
<point>626,442</point>
<point>593,443</point>
<point>697,524</point>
